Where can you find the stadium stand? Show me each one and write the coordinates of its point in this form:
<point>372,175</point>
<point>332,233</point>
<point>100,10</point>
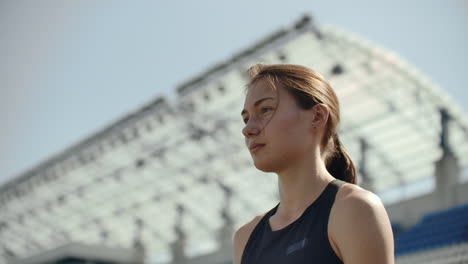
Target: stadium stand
<point>172,180</point>
<point>455,254</point>
<point>437,229</point>
<point>446,231</point>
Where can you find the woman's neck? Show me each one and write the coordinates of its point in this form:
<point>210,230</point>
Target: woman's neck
<point>300,186</point>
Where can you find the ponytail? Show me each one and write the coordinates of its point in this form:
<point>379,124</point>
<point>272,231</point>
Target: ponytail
<point>339,164</point>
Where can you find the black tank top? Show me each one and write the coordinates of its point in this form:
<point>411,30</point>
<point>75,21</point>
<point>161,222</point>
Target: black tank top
<point>304,241</point>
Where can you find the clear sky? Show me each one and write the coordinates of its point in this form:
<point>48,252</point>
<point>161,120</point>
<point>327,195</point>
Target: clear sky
<point>70,68</point>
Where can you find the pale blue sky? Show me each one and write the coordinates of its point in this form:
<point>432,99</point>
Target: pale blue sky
<point>70,68</point>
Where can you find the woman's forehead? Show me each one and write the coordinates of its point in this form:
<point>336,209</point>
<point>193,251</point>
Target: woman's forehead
<point>259,89</point>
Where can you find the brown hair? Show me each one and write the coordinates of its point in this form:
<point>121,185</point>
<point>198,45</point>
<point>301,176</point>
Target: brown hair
<point>310,88</point>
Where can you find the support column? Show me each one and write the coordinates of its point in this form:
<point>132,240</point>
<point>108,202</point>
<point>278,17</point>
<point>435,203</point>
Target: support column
<point>178,246</point>
<point>139,247</point>
<point>447,169</point>
<point>226,231</point>
<point>367,181</point>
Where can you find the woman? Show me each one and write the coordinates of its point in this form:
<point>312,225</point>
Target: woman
<point>291,117</point>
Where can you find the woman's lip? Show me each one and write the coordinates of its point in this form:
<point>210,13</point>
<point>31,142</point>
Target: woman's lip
<point>257,148</point>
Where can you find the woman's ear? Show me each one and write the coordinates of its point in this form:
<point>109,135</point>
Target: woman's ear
<point>320,113</point>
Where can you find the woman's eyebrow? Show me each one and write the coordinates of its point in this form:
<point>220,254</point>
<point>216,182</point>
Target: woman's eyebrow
<point>259,101</point>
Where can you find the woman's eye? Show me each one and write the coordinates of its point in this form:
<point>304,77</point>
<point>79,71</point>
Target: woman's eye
<point>265,109</point>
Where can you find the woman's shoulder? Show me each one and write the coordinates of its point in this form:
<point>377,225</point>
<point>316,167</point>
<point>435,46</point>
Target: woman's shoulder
<point>354,195</point>
<point>359,217</point>
<point>242,235</point>
<point>354,204</point>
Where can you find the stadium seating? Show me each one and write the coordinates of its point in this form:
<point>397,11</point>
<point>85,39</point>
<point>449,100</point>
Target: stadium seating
<point>457,254</point>
<point>438,229</point>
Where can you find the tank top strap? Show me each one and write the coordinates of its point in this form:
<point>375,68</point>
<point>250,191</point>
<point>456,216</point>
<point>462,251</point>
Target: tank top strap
<point>329,196</point>
<point>333,188</point>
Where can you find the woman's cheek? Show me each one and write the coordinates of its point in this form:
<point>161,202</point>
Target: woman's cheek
<point>287,122</point>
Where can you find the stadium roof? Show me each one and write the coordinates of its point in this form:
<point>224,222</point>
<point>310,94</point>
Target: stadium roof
<point>170,169</point>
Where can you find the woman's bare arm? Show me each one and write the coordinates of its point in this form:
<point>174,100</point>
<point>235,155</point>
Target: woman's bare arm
<point>360,227</point>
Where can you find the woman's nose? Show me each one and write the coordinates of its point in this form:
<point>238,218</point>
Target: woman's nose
<point>251,129</point>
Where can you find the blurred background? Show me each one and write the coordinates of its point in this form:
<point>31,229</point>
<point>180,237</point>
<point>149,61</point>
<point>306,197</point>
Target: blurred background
<point>118,118</point>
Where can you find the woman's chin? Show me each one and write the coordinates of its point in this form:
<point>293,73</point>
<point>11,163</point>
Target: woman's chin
<point>265,166</point>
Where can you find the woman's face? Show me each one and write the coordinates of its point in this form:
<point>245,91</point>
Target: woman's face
<point>277,132</point>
